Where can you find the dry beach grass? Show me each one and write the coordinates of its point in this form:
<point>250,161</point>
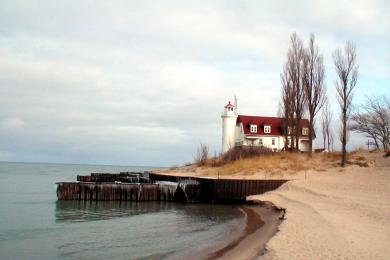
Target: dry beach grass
<point>272,165</point>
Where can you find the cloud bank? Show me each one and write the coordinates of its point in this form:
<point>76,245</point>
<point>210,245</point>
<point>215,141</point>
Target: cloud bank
<point>143,82</point>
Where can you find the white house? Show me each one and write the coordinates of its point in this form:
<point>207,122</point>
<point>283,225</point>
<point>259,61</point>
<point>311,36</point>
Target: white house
<point>241,130</point>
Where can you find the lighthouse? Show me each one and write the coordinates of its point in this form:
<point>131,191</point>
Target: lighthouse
<point>229,119</point>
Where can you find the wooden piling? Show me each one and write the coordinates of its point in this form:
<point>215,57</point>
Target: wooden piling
<point>105,186</point>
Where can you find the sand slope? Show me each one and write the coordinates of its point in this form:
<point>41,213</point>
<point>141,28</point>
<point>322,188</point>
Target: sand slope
<point>338,214</point>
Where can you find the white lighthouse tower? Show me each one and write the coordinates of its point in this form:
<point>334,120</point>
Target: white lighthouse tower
<point>229,118</point>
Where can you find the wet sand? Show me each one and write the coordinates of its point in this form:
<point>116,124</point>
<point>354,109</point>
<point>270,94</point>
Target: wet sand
<point>261,223</point>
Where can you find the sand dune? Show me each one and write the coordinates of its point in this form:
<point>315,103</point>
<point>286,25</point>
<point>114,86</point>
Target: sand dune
<point>337,214</point>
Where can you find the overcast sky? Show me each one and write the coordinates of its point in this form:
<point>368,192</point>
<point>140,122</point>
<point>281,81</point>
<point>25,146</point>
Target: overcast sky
<point>143,82</point>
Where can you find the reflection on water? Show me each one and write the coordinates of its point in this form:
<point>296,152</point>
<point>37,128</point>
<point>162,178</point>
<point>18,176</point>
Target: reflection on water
<point>82,211</point>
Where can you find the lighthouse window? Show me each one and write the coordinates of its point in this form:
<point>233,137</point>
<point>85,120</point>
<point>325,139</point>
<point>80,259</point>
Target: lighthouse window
<point>253,128</point>
<point>267,129</point>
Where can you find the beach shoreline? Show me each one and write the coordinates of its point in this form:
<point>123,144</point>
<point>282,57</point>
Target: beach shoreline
<point>260,224</point>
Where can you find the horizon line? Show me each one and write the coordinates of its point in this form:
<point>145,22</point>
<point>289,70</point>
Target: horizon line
<point>90,164</point>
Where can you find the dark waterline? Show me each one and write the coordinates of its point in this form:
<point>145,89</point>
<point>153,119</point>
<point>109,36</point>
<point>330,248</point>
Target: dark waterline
<point>34,225</point>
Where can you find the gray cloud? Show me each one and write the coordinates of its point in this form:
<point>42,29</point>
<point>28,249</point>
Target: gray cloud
<point>144,82</point>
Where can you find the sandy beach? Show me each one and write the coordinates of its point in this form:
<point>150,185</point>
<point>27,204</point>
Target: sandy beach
<point>331,212</point>
<point>336,214</point>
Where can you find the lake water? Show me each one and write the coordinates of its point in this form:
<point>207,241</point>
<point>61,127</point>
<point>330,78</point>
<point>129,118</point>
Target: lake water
<point>34,225</point>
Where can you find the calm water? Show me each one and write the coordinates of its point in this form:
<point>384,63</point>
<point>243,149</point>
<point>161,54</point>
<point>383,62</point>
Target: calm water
<point>34,225</point>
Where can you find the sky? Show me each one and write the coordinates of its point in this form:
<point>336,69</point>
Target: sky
<point>144,82</point>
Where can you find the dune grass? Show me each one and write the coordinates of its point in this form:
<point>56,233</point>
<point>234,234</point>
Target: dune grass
<point>261,164</point>
<point>278,164</point>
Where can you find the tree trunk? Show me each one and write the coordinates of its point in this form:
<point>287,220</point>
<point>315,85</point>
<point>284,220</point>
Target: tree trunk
<point>344,137</point>
<point>292,143</point>
<point>324,139</point>
<point>376,143</point>
<point>286,142</point>
<point>311,131</point>
<point>297,137</point>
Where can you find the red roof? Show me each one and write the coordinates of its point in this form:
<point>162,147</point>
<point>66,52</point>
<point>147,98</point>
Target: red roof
<point>276,124</point>
<point>229,105</point>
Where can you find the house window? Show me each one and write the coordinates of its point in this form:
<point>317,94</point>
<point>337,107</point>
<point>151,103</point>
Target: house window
<point>305,131</point>
<point>289,130</point>
<point>253,128</point>
<point>273,141</point>
<point>261,141</point>
<point>267,129</point>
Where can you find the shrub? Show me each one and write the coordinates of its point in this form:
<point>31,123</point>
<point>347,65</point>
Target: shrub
<point>202,155</point>
<point>238,153</point>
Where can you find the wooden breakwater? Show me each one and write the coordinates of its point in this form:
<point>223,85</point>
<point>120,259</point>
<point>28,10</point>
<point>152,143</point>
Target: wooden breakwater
<point>224,190</point>
<point>117,192</point>
<point>126,177</point>
<point>155,187</point>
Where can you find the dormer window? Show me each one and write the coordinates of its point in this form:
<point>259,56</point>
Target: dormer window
<point>267,129</point>
<point>253,128</point>
<point>305,131</point>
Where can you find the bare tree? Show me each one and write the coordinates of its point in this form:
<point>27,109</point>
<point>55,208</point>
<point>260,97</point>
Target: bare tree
<point>347,72</point>
<point>295,60</point>
<point>287,107</point>
<point>293,98</point>
<point>331,142</point>
<point>313,76</point>
<point>323,128</point>
<point>362,124</point>
<point>202,155</point>
<point>326,121</point>
<point>373,120</point>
